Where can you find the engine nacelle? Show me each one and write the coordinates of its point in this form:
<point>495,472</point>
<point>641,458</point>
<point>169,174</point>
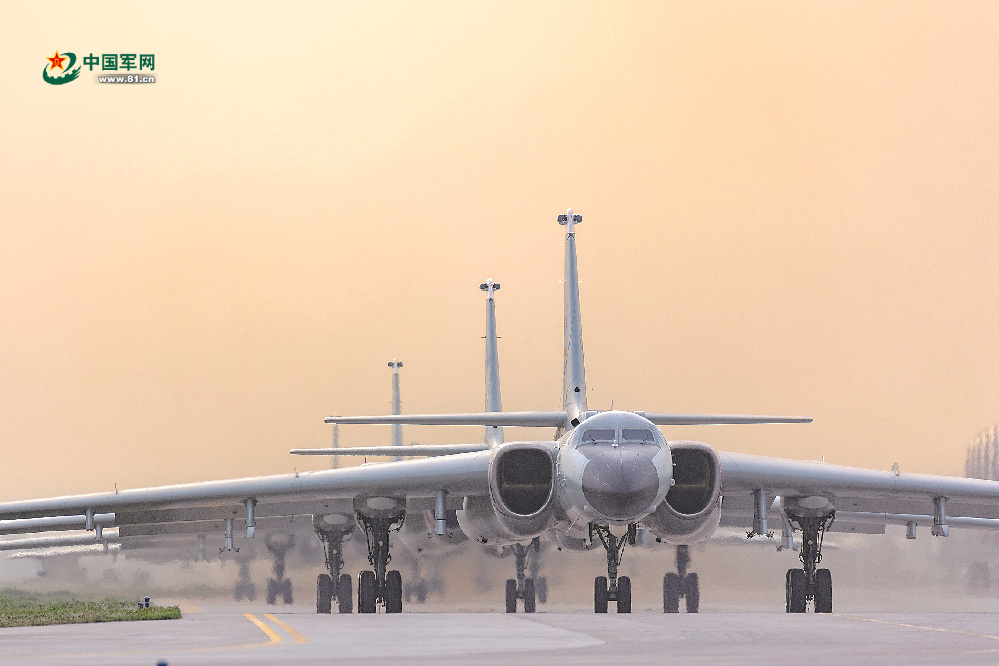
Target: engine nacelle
<point>521,488</point>
<point>692,510</point>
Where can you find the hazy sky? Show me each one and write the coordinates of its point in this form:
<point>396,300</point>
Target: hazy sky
<point>789,208</point>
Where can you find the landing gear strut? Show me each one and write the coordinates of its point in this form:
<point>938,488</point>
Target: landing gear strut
<point>808,583</point>
<point>245,586</point>
<point>335,584</point>
<point>279,585</point>
<point>379,586</point>
<point>681,585</point>
<point>524,587</point>
<point>612,588</point>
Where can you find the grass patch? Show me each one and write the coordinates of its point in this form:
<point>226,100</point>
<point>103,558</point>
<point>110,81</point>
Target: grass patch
<point>24,611</point>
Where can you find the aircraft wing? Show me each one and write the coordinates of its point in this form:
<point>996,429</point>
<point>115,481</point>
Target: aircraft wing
<point>865,500</point>
<point>206,506</point>
<point>661,418</point>
<point>557,419</point>
<point>410,450</point>
<point>554,419</point>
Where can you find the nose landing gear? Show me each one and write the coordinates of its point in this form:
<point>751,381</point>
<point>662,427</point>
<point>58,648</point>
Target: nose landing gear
<point>279,585</point>
<point>612,587</point>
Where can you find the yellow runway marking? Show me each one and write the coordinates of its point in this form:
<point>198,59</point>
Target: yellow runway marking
<point>274,638</point>
<point>189,608</point>
<point>264,627</point>
<point>299,638</point>
<point>922,626</point>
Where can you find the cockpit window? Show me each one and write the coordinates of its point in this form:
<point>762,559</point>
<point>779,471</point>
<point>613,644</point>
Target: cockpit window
<point>637,435</point>
<point>598,435</point>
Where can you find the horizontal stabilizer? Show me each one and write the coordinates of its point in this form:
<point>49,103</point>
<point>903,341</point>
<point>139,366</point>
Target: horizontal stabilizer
<point>528,419</point>
<point>412,450</point>
<point>660,418</point>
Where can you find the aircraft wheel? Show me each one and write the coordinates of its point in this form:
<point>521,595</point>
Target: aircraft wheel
<point>241,591</point>
<point>393,592</point>
<point>823,591</point>
<point>624,594</point>
<point>511,595</point>
<point>600,594</point>
<point>542,587</point>
<point>794,587</point>
<point>671,593</point>
<point>366,592</point>
<point>529,596</point>
<point>272,591</point>
<point>692,592</point>
<point>421,592</point>
<point>345,594</point>
<point>324,593</point>
<point>286,592</point>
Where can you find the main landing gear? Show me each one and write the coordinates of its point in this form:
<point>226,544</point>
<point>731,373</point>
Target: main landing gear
<point>681,585</point>
<point>279,585</point>
<point>335,584</point>
<point>808,583</point>
<point>612,587</point>
<point>379,586</point>
<point>531,590</point>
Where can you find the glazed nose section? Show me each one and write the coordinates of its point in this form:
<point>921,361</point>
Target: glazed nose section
<point>620,484</point>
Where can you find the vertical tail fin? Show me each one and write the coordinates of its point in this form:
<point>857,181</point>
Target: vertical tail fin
<point>395,364</point>
<point>573,374</point>
<point>494,434</point>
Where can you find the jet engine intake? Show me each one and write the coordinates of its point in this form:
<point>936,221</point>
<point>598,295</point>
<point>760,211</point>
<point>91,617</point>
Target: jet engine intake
<point>519,506</point>
<point>691,510</point>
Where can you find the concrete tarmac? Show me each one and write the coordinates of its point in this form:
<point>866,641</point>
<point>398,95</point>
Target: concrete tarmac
<point>247,634</point>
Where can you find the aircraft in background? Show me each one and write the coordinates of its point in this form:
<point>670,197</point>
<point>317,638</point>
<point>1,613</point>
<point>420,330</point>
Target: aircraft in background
<point>603,476</point>
<point>420,536</point>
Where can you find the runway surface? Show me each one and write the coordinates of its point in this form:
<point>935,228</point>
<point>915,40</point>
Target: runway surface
<point>259,635</point>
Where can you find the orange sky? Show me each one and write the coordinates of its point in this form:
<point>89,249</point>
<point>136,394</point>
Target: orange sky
<point>789,208</point>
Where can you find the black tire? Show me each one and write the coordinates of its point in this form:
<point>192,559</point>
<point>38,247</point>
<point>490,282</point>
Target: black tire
<point>511,595</point>
<point>600,594</point>
<point>286,595</point>
<point>366,592</point>
<point>671,593</point>
<point>823,591</point>
<point>251,592</point>
<point>530,599</point>
<point>624,594</point>
<point>794,587</point>
<point>421,592</point>
<point>692,592</point>
<point>393,592</point>
<point>345,594</point>
<point>272,591</point>
<point>324,594</point>
<point>542,587</point>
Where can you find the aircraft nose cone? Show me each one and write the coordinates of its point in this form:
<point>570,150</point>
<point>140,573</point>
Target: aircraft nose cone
<point>620,484</point>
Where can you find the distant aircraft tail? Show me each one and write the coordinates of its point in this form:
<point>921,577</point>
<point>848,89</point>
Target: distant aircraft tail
<point>494,434</point>
<point>574,408</point>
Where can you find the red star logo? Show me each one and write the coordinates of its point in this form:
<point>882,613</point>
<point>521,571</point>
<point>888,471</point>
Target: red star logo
<point>56,61</point>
